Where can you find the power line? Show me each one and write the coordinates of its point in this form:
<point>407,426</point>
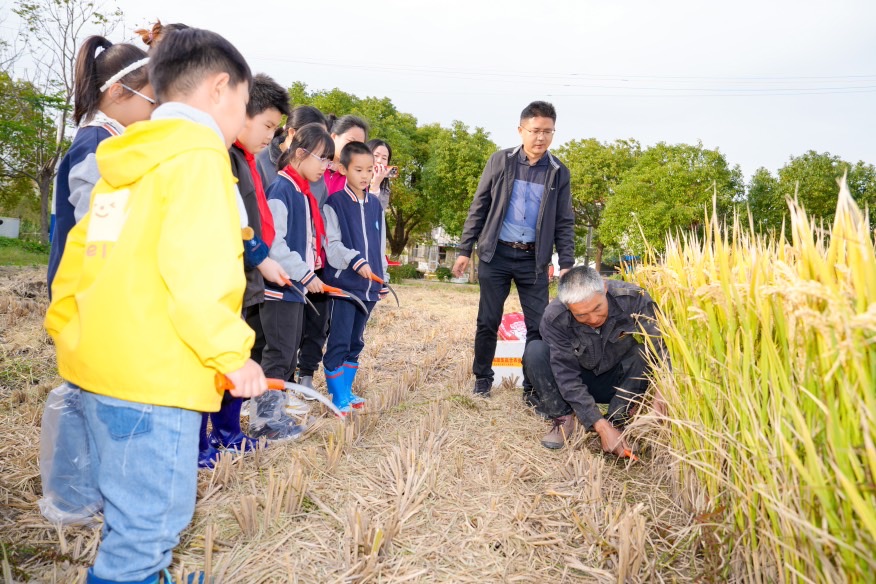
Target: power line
<point>668,89</point>
<point>575,78</point>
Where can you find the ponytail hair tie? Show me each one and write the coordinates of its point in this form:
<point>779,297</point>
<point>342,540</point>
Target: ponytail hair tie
<point>132,67</point>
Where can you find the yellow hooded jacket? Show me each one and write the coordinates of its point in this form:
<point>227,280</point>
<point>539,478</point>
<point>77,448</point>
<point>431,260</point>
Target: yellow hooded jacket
<point>147,298</point>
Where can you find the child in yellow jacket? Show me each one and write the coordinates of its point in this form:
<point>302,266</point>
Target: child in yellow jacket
<point>147,300</point>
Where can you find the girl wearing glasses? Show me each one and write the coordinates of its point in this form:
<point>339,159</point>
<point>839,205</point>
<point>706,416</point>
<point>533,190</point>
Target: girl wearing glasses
<point>111,90</point>
<point>297,246</point>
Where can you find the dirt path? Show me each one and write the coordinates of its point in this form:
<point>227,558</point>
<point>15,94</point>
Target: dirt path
<point>429,485</point>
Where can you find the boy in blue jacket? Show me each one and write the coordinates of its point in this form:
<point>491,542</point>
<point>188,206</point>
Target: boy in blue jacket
<point>356,233</point>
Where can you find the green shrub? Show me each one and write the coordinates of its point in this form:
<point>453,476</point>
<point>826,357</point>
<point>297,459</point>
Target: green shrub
<point>443,273</point>
<point>15,252</point>
<point>31,246</point>
<point>405,272</point>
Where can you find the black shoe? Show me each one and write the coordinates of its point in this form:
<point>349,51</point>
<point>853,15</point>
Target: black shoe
<point>531,400</point>
<point>482,387</point>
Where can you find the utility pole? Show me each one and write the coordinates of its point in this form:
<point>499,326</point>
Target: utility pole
<point>587,245</point>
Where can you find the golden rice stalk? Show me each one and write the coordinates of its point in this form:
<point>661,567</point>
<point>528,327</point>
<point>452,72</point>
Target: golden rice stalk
<point>246,514</point>
<point>771,389</point>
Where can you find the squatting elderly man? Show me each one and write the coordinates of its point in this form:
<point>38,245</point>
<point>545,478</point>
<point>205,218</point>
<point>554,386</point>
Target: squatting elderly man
<point>589,354</point>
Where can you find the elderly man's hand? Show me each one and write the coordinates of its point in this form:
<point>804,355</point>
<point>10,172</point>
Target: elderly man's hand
<point>611,439</point>
<point>563,272</point>
<point>659,404</point>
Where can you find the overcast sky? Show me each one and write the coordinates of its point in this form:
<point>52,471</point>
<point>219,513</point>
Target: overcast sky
<point>759,80</point>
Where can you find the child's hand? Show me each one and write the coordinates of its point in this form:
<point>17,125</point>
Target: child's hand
<point>365,271</point>
<point>383,293</point>
<point>249,380</point>
<point>314,286</point>
<point>273,271</point>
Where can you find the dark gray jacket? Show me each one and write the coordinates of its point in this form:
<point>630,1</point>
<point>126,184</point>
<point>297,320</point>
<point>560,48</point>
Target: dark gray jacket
<point>575,346</point>
<point>556,220</point>
<point>255,284</point>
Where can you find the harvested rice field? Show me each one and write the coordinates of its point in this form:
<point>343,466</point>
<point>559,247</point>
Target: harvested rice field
<point>429,484</point>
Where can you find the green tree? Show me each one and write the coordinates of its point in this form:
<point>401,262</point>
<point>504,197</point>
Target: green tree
<point>812,179</point>
<point>668,188</point>
<point>456,159</point>
<point>813,176</point>
<point>52,31</point>
<point>438,167</point>
<point>766,205</point>
<point>596,169</point>
<point>27,144</point>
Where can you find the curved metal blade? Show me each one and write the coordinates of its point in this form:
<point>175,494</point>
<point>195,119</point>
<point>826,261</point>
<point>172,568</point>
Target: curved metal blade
<point>388,287</point>
<point>339,293</point>
<point>289,284</point>
<point>313,394</point>
<point>306,299</point>
<point>379,280</point>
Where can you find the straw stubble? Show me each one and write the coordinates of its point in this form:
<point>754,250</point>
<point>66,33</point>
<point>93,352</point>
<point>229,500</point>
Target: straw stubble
<point>427,484</point>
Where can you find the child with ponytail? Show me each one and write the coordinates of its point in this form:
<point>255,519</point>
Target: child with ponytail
<point>111,90</point>
<point>297,246</point>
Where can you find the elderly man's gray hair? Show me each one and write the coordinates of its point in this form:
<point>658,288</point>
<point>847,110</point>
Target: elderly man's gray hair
<point>579,284</point>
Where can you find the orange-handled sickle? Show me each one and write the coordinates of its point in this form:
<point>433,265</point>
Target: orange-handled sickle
<point>629,454</point>
<point>332,291</point>
<point>289,284</point>
<point>224,384</point>
<point>374,278</point>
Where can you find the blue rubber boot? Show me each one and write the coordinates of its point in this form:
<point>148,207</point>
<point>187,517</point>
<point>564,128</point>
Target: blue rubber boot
<point>336,384</point>
<point>351,368</point>
<point>226,431</point>
<point>207,454</point>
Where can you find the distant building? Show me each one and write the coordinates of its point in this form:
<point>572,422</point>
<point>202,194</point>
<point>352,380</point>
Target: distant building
<point>440,251</point>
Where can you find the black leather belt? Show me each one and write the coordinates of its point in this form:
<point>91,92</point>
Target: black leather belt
<point>519,245</point>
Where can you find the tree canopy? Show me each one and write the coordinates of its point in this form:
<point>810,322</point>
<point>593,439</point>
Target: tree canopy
<point>812,179</point>
<point>438,167</point>
<point>620,189</point>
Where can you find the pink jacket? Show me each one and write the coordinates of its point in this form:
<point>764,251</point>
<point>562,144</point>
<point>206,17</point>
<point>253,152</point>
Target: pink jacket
<point>334,181</point>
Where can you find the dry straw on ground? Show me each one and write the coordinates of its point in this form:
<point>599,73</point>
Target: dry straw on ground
<point>427,485</point>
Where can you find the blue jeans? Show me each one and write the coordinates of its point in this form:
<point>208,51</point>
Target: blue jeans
<point>147,472</point>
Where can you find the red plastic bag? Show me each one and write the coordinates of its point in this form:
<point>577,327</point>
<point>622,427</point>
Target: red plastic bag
<point>513,328</point>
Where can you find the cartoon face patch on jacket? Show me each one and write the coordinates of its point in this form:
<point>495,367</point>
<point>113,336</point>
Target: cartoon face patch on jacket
<point>108,215</point>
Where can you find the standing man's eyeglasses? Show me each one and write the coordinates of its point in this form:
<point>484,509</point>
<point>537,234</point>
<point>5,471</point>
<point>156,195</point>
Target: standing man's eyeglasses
<point>542,133</point>
<point>135,92</point>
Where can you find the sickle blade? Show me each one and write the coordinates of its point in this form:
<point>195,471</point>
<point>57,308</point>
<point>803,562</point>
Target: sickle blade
<point>306,299</point>
<point>339,293</point>
<point>313,394</point>
<point>388,287</point>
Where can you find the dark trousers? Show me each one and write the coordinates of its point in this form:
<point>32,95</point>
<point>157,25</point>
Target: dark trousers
<point>619,387</point>
<point>315,332</point>
<point>281,322</point>
<point>508,265</point>
<point>251,314</point>
<point>346,338</point>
